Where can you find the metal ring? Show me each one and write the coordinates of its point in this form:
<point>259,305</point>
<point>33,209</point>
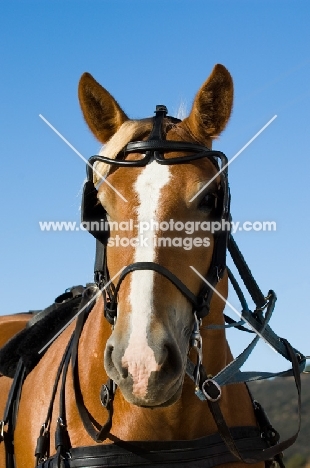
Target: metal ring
<point>43,429</point>
<point>60,422</point>
<point>105,395</point>
<point>2,424</point>
<point>206,394</point>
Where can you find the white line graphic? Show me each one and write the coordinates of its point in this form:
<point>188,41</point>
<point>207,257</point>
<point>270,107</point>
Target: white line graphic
<point>234,157</point>
<point>81,156</point>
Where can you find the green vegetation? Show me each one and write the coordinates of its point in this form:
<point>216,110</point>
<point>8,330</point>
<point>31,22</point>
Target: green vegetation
<point>296,461</point>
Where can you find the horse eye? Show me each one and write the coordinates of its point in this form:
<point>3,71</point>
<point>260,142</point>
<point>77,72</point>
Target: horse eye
<point>208,203</point>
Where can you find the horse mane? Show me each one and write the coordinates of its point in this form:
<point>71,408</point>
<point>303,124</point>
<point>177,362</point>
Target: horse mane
<point>182,111</point>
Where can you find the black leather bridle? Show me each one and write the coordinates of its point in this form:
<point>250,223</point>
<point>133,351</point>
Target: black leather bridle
<point>153,149</point>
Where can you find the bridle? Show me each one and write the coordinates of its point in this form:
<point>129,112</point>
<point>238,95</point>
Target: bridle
<point>153,149</point>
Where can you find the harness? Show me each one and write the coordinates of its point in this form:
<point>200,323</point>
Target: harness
<point>153,149</point>
<point>246,444</point>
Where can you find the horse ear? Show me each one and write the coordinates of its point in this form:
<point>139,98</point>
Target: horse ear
<point>212,105</point>
<point>102,113</point>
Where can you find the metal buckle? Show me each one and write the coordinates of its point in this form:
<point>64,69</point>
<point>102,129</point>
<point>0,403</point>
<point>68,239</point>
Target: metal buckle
<point>43,429</point>
<point>215,385</point>
<point>60,422</point>
<point>267,299</point>
<point>104,395</point>
<point>162,109</point>
<point>2,424</point>
<point>99,278</point>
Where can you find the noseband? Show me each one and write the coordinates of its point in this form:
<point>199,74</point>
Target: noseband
<point>153,149</point>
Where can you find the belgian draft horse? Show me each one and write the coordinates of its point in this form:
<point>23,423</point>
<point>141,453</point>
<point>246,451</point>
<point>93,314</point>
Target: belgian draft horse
<point>145,351</point>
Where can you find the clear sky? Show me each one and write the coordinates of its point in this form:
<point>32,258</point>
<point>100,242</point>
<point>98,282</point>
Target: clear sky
<point>147,52</point>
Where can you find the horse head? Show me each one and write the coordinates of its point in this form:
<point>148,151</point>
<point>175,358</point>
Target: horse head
<point>155,216</point>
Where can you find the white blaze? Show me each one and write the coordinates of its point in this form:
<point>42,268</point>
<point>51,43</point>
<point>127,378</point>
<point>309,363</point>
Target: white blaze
<point>139,357</point>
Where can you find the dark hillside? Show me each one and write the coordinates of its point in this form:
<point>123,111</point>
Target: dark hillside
<point>279,399</point>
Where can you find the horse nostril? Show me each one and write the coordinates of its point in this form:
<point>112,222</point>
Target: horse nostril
<point>109,351</point>
<point>108,356</point>
<point>112,364</point>
<point>171,358</point>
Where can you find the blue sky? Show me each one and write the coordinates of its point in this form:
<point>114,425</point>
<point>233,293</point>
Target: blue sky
<point>147,52</point>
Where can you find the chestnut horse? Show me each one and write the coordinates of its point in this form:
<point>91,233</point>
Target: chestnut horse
<point>146,349</point>
<point>12,324</point>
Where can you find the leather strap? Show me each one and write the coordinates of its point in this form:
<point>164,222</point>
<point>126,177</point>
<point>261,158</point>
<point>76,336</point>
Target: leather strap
<point>42,447</point>
<point>215,274</point>
<point>162,271</point>
<point>10,414</point>
<point>206,452</point>
<point>157,130</point>
<point>269,452</point>
<point>97,432</point>
<point>245,273</point>
<point>62,439</point>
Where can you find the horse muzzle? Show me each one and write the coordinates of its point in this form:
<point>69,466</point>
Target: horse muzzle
<point>148,372</point>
